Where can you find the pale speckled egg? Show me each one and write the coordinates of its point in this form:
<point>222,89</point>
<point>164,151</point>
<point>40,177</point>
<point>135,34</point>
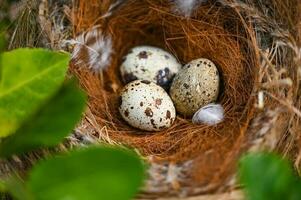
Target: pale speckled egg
<point>146,106</point>
<point>196,85</point>
<point>149,63</point>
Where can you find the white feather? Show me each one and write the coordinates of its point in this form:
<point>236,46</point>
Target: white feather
<point>186,7</point>
<point>114,6</point>
<point>92,49</point>
<point>210,114</point>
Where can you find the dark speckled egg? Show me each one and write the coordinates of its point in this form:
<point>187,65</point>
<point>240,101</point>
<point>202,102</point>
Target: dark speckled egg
<point>196,85</point>
<point>149,63</point>
<point>146,106</point>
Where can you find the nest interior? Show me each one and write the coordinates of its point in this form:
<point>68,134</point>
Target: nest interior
<point>212,32</point>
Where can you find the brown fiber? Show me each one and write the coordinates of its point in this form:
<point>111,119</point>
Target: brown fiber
<point>213,32</point>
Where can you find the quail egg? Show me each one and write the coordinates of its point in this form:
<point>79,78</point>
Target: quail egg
<point>196,85</point>
<point>146,106</point>
<point>149,63</point>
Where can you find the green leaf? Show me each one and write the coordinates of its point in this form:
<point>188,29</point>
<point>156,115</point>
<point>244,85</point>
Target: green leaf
<point>2,186</point>
<point>54,121</point>
<point>267,176</point>
<point>89,174</point>
<point>2,42</point>
<point>17,188</point>
<point>28,78</point>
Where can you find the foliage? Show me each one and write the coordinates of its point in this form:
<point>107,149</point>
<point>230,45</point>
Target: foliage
<point>91,174</point>
<point>29,77</point>
<point>95,173</point>
<point>49,125</point>
<point>2,42</point>
<point>267,176</point>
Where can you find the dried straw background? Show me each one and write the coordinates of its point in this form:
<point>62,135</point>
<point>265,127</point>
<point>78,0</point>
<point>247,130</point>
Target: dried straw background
<point>266,38</point>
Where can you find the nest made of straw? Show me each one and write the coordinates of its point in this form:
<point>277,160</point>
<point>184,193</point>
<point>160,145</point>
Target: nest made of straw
<point>255,46</point>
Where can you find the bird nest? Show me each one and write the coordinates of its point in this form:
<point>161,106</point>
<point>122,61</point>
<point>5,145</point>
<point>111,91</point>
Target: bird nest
<point>257,58</point>
<point>217,31</point>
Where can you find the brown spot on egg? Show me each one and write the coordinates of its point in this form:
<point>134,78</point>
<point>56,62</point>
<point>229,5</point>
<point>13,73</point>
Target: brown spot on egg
<point>168,114</point>
<point>141,104</point>
<point>126,113</point>
<point>143,55</point>
<point>153,123</point>
<point>129,77</point>
<point>148,112</point>
<point>164,77</point>
<point>146,82</point>
<point>158,102</point>
<point>186,85</point>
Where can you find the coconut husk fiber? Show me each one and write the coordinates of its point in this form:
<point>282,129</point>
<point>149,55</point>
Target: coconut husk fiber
<point>255,46</point>
<point>221,31</point>
<point>213,32</point>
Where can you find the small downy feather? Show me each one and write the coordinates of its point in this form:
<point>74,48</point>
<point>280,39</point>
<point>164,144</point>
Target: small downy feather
<point>114,6</point>
<point>186,7</point>
<point>210,114</point>
<point>92,49</point>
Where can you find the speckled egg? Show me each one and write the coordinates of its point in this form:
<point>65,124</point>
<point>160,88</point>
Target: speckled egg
<point>196,85</point>
<point>146,106</point>
<point>149,63</point>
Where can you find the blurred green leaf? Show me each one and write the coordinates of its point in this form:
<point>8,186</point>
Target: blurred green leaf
<point>2,186</point>
<point>17,188</point>
<point>267,176</point>
<point>54,121</point>
<point>2,42</point>
<point>28,78</point>
<point>89,174</point>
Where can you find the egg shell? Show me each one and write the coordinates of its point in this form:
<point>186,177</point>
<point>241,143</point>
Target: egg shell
<point>146,106</point>
<point>196,85</point>
<point>149,63</point>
